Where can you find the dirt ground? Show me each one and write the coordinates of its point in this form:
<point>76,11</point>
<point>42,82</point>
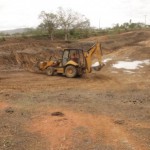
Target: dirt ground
<point>105,110</point>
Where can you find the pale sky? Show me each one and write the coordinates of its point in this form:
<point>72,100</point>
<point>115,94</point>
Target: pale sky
<point>24,13</point>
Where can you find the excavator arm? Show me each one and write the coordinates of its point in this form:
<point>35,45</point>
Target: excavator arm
<point>95,49</point>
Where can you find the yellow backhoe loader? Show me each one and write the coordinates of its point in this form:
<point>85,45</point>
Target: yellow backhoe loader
<point>74,62</point>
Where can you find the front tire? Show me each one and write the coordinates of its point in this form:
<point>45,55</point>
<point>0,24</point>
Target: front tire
<point>71,71</point>
<point>50,71</point>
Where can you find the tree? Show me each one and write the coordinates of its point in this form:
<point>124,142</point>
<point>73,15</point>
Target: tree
<point>126,25</point>
<point>116,28</point>
<point>69,19</point>
<point>49,23</point>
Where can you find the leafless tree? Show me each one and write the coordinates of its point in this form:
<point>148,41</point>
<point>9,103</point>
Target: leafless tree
<point>69,19</point>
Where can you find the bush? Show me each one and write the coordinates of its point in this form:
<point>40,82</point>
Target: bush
<point>2,39</point>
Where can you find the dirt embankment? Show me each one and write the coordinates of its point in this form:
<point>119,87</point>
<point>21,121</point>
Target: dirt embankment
<point>25,53</point>
<point>111,43</point>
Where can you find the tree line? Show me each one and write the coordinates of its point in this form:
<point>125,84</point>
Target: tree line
<point>68,24</point>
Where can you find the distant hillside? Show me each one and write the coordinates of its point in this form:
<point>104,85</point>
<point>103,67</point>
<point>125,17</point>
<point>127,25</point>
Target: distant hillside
<point>19,30</point>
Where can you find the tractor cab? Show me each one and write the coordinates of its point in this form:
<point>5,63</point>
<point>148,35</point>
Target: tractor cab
<point>73,57</point>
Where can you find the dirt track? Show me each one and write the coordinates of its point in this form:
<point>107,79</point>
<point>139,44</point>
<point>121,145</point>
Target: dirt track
<point>107,110</point>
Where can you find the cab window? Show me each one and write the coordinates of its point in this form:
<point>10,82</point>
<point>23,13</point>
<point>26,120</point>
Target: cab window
<point>65,57</point>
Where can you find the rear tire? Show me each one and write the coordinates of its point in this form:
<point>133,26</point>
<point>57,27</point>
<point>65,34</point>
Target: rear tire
<point>71,71</point>
<point>50,71</point>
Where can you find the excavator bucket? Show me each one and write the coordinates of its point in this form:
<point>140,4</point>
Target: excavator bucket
<point>97,66</point>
